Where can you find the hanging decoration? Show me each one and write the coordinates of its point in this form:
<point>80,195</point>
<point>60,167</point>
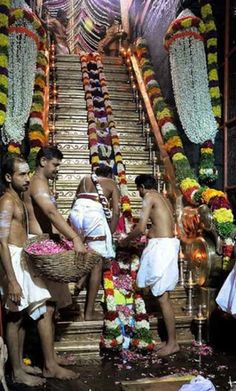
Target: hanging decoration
<point>23,43</point>
<point>193,192</point>
<point>24,23</point>
<point>185,43</point>
<point>4,44</point>
<point>212,58</point>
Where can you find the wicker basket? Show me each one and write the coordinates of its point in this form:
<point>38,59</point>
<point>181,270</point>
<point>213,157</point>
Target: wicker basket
<point>62,267</point>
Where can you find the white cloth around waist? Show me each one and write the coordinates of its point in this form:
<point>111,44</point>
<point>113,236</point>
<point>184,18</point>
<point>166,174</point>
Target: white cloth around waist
<point>159,265</point>
<point>36,290</point>
<point>88,219</point>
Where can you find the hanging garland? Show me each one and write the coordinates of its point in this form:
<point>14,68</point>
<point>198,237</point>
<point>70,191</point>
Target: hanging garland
<point>36,131</point>
<point>190,187</point>
<point>4,43</point>
<point>212,58</point>
<point>185,43</point>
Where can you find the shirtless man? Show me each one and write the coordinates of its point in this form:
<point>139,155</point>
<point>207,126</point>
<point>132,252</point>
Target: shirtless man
<point>94,221</point>
<point>159,262</point>
<point>21,291</point>
<point>109,44</point>
<point>45,218</point>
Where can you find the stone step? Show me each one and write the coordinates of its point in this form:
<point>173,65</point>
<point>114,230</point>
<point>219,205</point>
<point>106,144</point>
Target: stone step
<point>80,338</point>
<point>77,126</point>
<point>74,103</point>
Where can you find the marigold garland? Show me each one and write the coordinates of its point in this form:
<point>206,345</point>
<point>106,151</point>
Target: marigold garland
<point>4,43</point>
<point>100,116</point>
<point>193,192</point>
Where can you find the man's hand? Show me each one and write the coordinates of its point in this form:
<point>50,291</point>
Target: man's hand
<point>15,292</point>
<point>78,245</point>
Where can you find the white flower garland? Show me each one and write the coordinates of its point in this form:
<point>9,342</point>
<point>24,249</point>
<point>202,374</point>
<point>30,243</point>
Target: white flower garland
<point>190,85</point>
<point>22,66</point>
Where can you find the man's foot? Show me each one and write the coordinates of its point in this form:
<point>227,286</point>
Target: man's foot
<point>63,360</point>
<point>167,350</point>
<point>159,346</point>
<point>57,372</point>
<point>31,370</point>
<point>25,378</point>
<point>93,316</point>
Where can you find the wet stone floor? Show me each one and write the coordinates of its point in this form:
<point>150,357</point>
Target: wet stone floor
<point>107,373</point>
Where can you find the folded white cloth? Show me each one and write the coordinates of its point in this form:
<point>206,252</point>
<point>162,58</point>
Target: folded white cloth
<point>199,383</point>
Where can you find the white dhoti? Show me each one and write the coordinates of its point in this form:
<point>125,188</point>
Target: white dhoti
<point>159,265</point>
<point>88,219</point>
<point>36,290</point>
<point>226,298</point>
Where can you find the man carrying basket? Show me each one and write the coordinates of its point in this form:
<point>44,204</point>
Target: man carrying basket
<point>21,290</point>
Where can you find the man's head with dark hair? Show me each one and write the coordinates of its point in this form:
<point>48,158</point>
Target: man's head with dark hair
<point>9,165</point>
<point>50,152</point>
<point>146,181</point>
<point>48,160</point>
<point>62,17</point>
<point>104,170</point>
<point>15,173</point>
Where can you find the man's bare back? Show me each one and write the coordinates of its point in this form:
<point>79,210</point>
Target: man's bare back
<point>161,215</point>
<point>87,186</point>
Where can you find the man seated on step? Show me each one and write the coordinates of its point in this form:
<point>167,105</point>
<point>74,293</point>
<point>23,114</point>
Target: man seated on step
<point>91,217</point>
<point>23,293</point>
<point>159,262</point>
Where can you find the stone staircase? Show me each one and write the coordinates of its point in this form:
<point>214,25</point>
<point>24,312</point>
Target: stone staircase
<point>71,128</point>
<point>73,333</point>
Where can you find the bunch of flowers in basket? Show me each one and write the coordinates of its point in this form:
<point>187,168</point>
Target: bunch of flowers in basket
<point>126,325</point>
<point>104,141</point>
<point>193,192</point>
<point>48,246</point>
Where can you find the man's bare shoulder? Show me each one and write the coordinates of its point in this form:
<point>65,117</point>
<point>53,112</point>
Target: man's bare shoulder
<point>38,184</point>
<point>6,201</point>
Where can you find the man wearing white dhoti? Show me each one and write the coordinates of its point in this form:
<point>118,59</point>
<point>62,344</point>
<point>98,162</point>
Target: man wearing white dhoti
<point>21,291</point>
<point>91,217</point>
<point>159,261</point>
<point>45,218</point>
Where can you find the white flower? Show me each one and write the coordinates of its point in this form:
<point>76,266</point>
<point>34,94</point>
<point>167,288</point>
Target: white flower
<point>143,324</point>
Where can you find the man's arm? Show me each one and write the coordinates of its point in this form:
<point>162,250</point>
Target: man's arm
<point>43,200</point>
<point>143,220</point>
<point>115,198</point>
<point>6,217</point>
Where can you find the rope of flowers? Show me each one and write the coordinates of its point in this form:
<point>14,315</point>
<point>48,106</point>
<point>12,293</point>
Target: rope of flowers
<point>126,325</point>
<point>4,43</point>
<point>192,191</point>
<point>125,201</point>
<point>207,157</point>
<point>36,132</point>
<point>92,128</point>
<point>185,42</point>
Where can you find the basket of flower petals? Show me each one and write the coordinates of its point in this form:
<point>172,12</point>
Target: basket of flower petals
<point>58,261</point>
